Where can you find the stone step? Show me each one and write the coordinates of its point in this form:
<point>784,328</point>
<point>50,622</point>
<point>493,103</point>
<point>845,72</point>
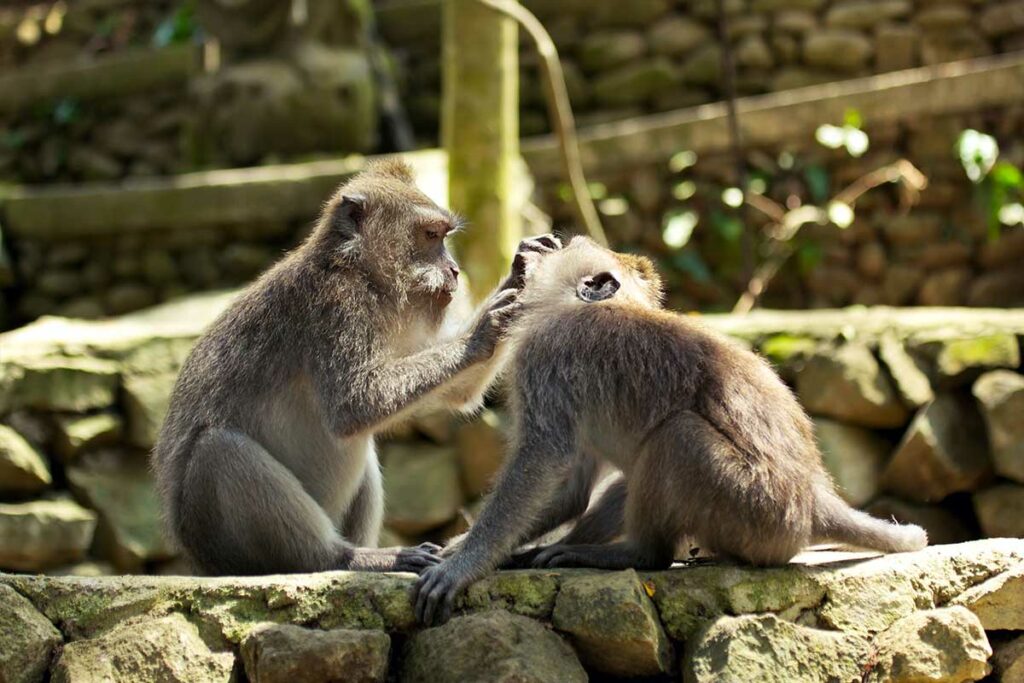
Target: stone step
<point>839,615</point>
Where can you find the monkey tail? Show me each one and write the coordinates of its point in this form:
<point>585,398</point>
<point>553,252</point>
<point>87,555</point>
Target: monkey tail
<point>836,521</point>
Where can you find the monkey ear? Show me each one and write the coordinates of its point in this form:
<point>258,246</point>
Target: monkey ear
<point>347,216</point>
<point>598,287</point>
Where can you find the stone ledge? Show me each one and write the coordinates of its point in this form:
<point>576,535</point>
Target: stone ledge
<point>865,606</point>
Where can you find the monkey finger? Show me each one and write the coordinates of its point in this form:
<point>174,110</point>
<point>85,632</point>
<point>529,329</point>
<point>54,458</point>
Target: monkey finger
<point>432,548</point>
<point>447,607</point>
<point>422,592</point>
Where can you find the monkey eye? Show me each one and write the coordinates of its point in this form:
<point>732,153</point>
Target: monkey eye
<point>437,231</point>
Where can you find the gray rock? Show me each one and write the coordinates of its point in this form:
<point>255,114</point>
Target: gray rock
<point>635,82</point>
<point>481,448</point>
<point>960,361</point>
<point>44,533</point>
<point>947,644</point>
<point>129,296</point>
<point>121,489</point>
<point>1000,511</point>
<point>946,287</point>
<point>1001,396</point>
<point>838,49</point>
<point>78,433</point>
<point>703,66</point>
<point>494,646</point>
<point>292,654</point>
<point>636,13</point>
<point>866,13</point>
<point>908,373</point>
<point>849,385</point>
<point>57,383</point>
<point>168,649</point>
<point>754,52</point>
<point>604,49</point>
<point>1008,659</point>
<point>766,648</point>
<point>779,5</point>
<point>1000,18</point>
<point>854,456</point>
<point>146,399</point>
<point>998,602</point>
<point>27,639</point>
<point>942,452</point>
<point>22,468</point>
<point>677,35</point>
<point>613,624</point>
<point>421,486</point>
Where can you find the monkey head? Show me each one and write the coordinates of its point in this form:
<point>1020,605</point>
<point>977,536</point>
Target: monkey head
<point>382,224</point>
<point>585,273</point>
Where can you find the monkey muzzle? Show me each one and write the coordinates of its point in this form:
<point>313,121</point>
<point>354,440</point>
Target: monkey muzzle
<point>599,287</point>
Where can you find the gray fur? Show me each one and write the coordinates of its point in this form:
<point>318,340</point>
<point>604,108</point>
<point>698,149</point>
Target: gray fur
<point>266,460</point>
<point>711,444</point>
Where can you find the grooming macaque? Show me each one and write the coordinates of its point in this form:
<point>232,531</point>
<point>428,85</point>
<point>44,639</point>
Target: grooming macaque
<point>266,460</point>
<point>710,443</point>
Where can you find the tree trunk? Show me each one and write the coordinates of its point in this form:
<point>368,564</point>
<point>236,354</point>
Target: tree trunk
<point>480,131</point>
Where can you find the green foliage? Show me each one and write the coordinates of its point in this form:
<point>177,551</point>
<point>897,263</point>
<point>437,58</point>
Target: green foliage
<point>1000,184</point>
<point>178,28</point>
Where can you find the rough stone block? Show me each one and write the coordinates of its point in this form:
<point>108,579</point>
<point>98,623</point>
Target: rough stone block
<point>1008,660</point>
<point>766,648</point>
<point>947,644</point>
<point>613,624</point>
<point>849,385</point>
<point>943,452</point>
<point>166,649</point>
<point>999,602</point>
<point>22,468</point>
<point>146,400</point>
<point>494,646</point>
<point>838,49</point>
<point>43,533</point>
<point>78,433</point>
<point>854,456</point>
<point>421,485</point>
<point>908,374</point>
<point>27,639</point>
<point>481,448</point>
<point>1000,511</point>
<point>1001,397</point>
<point>121,489</point>
<point>57,383</point>
<point>292,654</point>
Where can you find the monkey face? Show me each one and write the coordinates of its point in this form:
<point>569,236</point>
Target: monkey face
<point>381,220</point>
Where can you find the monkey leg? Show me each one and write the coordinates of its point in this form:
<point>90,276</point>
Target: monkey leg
<point>243,512</point>
<point>362,521</point>
<point>603,522</point>
<point>648,545</point>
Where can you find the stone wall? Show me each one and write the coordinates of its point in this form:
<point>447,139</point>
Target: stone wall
<point>947,614</point>
<point>108,90</point>
<point>917,412</point>
<point>943,250</point>
<point>624,59</point>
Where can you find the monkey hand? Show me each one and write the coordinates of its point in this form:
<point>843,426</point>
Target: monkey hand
<point>502,309</point>
<point>398,559</point>
<point>527,253</point>
<point>437,588</point>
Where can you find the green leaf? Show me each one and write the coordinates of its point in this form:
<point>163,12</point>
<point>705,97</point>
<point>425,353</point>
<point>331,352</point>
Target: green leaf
<point>729,228</point>
<point>808,256</point>
<point>817,182</point>
<point>1006,174</point>
<point>853,118</point>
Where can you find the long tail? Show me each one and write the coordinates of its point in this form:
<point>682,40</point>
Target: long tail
<point>836,521</point>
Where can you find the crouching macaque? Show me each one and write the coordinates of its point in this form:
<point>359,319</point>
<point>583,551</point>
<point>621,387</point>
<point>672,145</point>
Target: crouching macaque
<point>266,460</point>
<point>710,443</point>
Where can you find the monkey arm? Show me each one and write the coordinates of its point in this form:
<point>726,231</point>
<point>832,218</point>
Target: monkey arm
<point>528,482</point>
<point>364,398</point>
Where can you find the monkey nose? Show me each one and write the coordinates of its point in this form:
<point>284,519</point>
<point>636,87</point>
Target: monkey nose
<point>454,271</point>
